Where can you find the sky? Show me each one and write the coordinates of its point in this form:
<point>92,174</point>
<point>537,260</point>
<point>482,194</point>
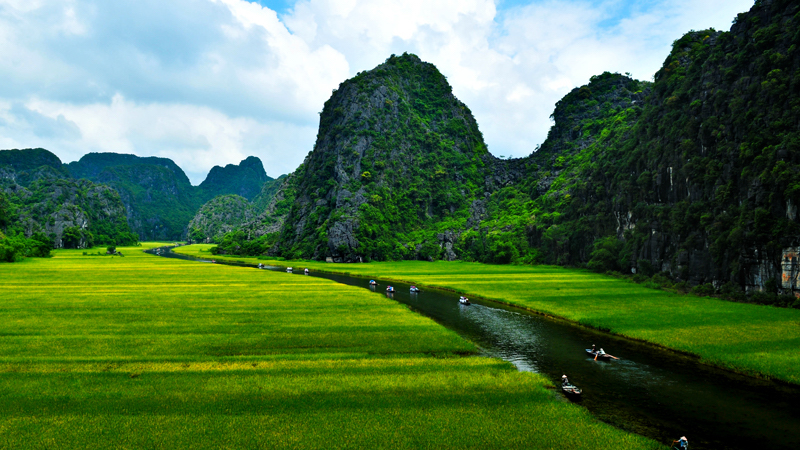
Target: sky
<point>210,82</point>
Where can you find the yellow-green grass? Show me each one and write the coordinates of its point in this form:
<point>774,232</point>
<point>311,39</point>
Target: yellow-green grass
<point>755,339</point>
<point>148,352</point>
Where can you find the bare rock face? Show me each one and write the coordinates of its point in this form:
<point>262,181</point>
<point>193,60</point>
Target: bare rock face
<point>342,241</point>
<point>447,241</point>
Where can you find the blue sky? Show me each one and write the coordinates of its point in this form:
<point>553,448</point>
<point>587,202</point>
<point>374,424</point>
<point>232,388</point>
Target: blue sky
<point>280,6</point>
<point>210,82</point>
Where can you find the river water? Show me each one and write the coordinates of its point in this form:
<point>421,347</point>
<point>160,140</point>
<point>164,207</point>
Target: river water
<point>649,391</point>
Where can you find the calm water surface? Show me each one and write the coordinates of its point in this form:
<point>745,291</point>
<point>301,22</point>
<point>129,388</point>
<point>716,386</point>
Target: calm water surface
<point>649,391</point>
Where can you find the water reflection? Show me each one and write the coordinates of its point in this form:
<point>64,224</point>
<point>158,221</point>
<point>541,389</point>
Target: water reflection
<point>648,391</point>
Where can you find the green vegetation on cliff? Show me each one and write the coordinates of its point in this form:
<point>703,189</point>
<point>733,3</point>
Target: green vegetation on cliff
<point>158,196</point>
<point>245,180</point>
<point>692,177</point>
<point>397,155</point>
<point>41,208</point>
<point>698,181</point>
<point>220,216</point>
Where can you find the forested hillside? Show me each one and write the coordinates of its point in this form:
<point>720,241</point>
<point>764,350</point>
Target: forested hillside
<point>704,185</point>
<point>108,198</point>
<point>42,208</point>
<point>397,158</point>
<point>159,198</point>
<point>693,176</point>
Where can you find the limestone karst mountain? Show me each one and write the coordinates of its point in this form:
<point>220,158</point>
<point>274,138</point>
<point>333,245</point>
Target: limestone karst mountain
<point>693,175</point>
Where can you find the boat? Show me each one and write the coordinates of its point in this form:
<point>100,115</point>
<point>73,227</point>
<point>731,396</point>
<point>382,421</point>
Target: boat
<point>600,356</point>
<point>373,283</point>
<point>389,289</point>
<point>464,301</point>
<point>571,390</point>
<point>413,289</point>
<point>289,269</point>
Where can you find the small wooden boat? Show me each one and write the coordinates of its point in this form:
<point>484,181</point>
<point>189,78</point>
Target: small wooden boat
<point>570,390</point>
<point>464,301</point>
<point>600,356</point>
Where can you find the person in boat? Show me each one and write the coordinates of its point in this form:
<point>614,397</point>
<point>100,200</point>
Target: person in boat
<point>306,271</point>
<point>601,352</point>
<point>564,381</point>
<point>594,350</point>
<point>372,282</point>
<point>683,443</point>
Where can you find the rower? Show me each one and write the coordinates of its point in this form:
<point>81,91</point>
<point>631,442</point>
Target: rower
<point>683,443</point>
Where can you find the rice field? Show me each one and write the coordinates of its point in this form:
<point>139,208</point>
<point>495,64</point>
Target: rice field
<point>148,352</point>
<point>755,339</point>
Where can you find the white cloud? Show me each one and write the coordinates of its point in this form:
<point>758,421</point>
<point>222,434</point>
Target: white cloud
<point>195,137</point>
<point>210,82</point>
<point>511,67</point>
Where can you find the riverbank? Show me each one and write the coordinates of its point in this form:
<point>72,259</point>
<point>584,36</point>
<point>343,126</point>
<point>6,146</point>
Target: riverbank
<point>753,339</point>
<point>147,352</point>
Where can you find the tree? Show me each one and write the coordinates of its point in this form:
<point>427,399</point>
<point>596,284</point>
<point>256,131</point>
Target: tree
<point>12,248</point>
<point>72,237</point>
<point>606,254</point>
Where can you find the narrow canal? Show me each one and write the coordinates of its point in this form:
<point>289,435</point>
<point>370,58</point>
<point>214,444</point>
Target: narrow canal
<point>649,391</point>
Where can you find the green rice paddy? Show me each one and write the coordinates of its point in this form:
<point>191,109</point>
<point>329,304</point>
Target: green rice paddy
<point>149,352</point>
<point>754,339</point>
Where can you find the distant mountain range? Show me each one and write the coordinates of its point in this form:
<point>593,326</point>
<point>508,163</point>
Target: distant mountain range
<point>694,177</point>
<point>153,197</point>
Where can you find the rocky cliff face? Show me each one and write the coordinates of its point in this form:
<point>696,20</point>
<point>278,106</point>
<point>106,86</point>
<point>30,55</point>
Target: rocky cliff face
<point>702,182</point>
<point>717,151</point>
<point>396,153</point>
<point>72,213</point>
